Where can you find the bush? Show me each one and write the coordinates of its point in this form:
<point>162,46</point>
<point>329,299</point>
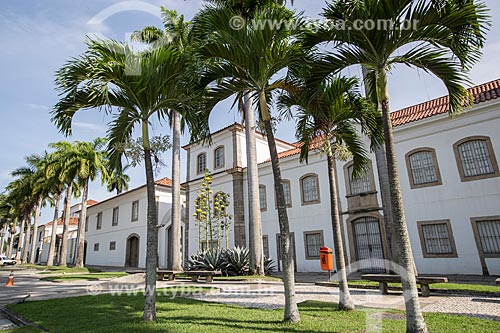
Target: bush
<point>269,266</point>
<point>237,261</point>
<point>210,260</point>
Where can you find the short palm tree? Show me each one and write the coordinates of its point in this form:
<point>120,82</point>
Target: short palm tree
<point>328,118</point>
<point>255,62</point>
<point>134,88</point>
<point>440,37</point>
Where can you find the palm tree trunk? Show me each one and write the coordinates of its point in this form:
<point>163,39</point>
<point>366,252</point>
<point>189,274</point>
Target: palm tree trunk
<point>176,192</point>
<point>255,223</point>
<point>414,319</point>
<point>82,221</point>
<point>53,236</point>
<point>20,240</point>
<point>345,301</point>
<point>291,309</point>
<point>152,232</point>
<point>38,207</point>
<point>64,244</point>
<point>385,192</point>
<point>27,237</point>
<point>10,246</point>
<point>2,239</point>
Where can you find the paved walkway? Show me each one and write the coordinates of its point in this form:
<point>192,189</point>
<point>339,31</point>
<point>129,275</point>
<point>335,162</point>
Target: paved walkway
<point>264,294</point>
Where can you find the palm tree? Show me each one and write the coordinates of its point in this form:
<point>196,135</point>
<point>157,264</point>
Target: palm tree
<point>117,179</point>
<point>134,88</point>
<point>65,163</point>
<point>35,172</point>
<point>327,119</point>
<point>90,162</point>
<point>176,34</point>
<point>252,61</point>
<point>443,38</point>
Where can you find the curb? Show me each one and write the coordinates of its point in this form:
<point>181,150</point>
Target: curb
<point>438,291</point>
<point>18,320</point>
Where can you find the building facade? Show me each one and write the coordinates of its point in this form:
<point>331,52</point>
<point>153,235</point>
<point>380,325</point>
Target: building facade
<point>449,178</point>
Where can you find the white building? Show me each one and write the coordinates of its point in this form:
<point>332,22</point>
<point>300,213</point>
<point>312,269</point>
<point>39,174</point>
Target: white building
<point>449,178</point>
<point>116,228</point>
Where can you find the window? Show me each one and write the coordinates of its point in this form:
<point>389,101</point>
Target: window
<point>488,232</point>
<point>112,246</point>
<point>436,238</point>
<point>114,222</point>
<point>476,158</point>
<point>135,211</point>
<point>201,165</point>
<point>361,184</point>
<point>423,168</point>
<point>219,157</point>
<point>99,221</point>
<point>288,193</point>
<point>313,241</point>
<point>96,247</point>
<point>309,187</point>
<point>265,246</point>
<point>262,197</point>
<point>86,223</point>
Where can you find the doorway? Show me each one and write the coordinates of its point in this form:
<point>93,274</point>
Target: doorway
<point>368,244</point>
<point>132,252</point>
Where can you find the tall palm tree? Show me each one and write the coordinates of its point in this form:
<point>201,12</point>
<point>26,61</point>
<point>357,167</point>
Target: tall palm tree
<point>176,34</point>
<point>327,118</point>
<point>65,163</point>
<point>90,161</point>
<point>443,38</point>
<point>134,88</point>
<point>35,171</point>
<point>252,61</point>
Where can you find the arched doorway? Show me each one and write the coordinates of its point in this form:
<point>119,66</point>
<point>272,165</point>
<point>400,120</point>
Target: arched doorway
<point>368,245</point>
<point>132,252</point>
<point>84,253</point>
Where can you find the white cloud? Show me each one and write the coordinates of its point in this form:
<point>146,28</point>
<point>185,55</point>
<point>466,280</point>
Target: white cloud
<point>35,106</point>
<point>89,126</point>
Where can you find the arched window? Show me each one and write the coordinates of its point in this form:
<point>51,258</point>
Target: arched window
<point>219,157</point>
<point>476,158</point>
<point>309,187</point>
<point>201,164</point>
<point>288,194</point>
<point>423,168</point>
<point>362,183</point>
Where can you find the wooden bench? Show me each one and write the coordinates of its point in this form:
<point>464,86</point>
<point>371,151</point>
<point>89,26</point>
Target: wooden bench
<point>195,275</point>
<point>384,279</point>
<point>497,281</point>
<point>171,274</point>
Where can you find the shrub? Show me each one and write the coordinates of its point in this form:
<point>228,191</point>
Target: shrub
<point>237,261</point>
<point>269,266</point>
<point>233,261</point>
<point>209,260</point>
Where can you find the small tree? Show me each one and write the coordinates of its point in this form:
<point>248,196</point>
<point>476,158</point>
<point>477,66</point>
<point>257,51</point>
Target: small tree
<point>211,214</point>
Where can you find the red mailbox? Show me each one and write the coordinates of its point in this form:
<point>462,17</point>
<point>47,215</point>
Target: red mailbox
<point>326,258</point>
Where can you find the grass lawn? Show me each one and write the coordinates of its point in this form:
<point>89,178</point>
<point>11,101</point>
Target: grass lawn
<point>88,276</point>
<point>107,313</point>
<point>446,286</point>
<point>57,269</point>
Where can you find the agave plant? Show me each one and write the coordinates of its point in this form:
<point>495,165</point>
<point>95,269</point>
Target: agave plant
<point>269,266</point>
<point>210,260</point>
<point>237,261</point>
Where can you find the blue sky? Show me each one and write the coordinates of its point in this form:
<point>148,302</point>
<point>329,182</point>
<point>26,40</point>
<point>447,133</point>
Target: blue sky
<point>37,37</point>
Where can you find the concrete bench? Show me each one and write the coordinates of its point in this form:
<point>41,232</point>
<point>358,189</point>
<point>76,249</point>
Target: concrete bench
<point>384,279</point>
<point>497,281</point>
<point>171,274</point>
<point>195,275</point>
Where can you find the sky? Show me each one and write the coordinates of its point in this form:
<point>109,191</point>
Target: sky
<point>38,37</point>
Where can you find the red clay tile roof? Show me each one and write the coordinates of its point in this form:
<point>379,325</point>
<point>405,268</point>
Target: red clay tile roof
<point>296,151</point>
<point>164,181</point>
<point>481,93</point>
<point>91,202</point>
<point>72,221</point>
